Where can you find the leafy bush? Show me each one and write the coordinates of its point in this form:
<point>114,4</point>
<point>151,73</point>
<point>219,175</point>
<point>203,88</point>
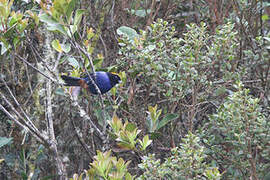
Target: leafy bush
<point>237,137</point>
<point>127,135</point>
<point>106,167</point>
<point>187,71</point>
<point>257,62</point>
<point>186,162</point>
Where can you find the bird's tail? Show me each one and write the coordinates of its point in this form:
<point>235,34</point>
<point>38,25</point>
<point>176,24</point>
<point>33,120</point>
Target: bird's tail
<point>71,81</point>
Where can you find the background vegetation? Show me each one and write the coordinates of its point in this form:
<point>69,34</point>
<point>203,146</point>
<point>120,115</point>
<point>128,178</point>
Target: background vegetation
<point>193,102</point>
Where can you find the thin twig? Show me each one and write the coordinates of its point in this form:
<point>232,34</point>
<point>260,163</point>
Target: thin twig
<point>81,140</point>
<point>19,105</point>
<point>29,64</point>
<point>84,115</point>
<point>29,97</point>
<point>41,137</point>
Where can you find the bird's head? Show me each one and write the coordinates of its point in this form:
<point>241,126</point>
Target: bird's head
<point>114,78</point>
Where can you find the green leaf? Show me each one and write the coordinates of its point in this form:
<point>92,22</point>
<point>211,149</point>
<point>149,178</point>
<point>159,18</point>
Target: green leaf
<point>78,16</point>
<point>220,91</point>
<point>47,19</point>
<point>60,91</point>
<point>265,17</point>
<point>128,32</point>
<point>70,9</point>
<point>4,141</point>
<point>98,63</point>
<point>4,47</point>
<point>53,25</point>
<point>90,33</point>
<point>73,28</point>
<point>58,28</point>
<point>102,115</point>
<point>145,142</point>
<point>151,47</point>
<point>128,176</point>
<point>10,31</point>
<point>113,91</point>
<point>73,62</point>
<point>66,47</point>
<point>61,6</point>
<point>267,39</point>
<point>130,127</point>
<point>140,12</point>
<point>14,19</point>
<point>158,113</point>
<point>166,120</point>
<point>56,45</point>
<point>34,16</point>
<point>24,175</point>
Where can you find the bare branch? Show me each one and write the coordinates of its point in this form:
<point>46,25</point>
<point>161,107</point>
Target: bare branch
<point>41,137</point>
<point>29,64</point>
<point>19,105</point>
<point>53,143</point>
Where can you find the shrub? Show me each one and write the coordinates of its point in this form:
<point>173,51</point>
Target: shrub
<point>186,162</point>
<point>237,137</point>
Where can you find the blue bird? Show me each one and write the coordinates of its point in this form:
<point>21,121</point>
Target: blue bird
<point>104,81</point>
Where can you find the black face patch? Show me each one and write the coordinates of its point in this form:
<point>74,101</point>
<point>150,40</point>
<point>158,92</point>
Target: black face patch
<point>114,79</point>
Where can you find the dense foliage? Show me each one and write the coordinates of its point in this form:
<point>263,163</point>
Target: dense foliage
<point>193,102</point>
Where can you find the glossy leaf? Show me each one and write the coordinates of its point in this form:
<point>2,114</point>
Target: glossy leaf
<point>56,45</point>
<point>66,47</point>
<point>73,62</point>
<point>70,9</point>
<point>145,142</point>
<point>4,141</point>
<point>168,118</point>
<point>78,16</point>
<point>127,31</point>
<point>53,25</point>
<point>140,12</point>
